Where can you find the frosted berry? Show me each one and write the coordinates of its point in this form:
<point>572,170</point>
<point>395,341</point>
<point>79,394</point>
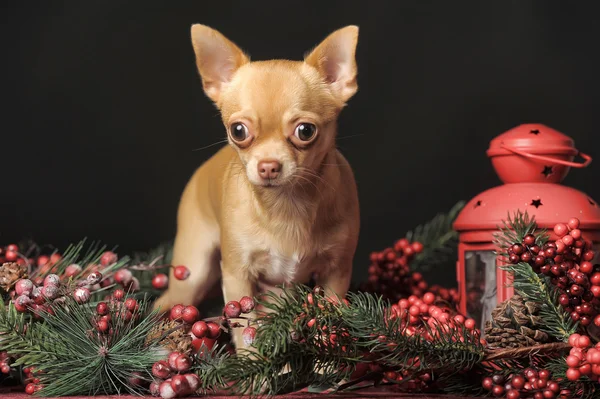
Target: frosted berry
<point>180,385</point>
<point>81,295</point>
<point>166,391</point>
<point>161,370</point>
<point>183,363</point>
<point>193,381</point>
<point>249,334</point>
<point>94,278</point>
<point>123,277</point>
<point>118,294</point>
<point>51,279</point>
<point>24,287</point>
<point>247,304</point>
<point>233,309</point>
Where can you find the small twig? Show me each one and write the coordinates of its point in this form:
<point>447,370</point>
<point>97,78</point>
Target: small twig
<point>526,351</point>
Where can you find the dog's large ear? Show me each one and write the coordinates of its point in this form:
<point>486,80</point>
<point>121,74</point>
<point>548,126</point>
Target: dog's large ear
<point>217,59</point>
<point>335,60</point>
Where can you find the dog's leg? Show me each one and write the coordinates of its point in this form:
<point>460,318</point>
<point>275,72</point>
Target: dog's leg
<point>197,248</point>
<point>336,279</point>
<point>237,284</point>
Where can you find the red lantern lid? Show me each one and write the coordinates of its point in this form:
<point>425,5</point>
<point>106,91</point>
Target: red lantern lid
<point>534,138</point>
<point>531,160</point>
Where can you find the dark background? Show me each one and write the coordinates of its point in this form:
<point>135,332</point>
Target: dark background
<point>103,107</point>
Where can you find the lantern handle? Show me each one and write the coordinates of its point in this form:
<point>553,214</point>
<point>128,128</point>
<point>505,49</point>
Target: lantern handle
<point>587,158</point>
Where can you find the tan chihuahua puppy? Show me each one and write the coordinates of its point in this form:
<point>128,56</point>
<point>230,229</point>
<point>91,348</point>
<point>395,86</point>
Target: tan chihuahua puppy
<point>278,204</point>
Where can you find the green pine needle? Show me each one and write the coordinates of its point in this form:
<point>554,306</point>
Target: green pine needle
<point>439,239</point>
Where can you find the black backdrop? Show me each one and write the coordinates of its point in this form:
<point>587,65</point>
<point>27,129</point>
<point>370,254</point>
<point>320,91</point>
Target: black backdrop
<point>102,105</point>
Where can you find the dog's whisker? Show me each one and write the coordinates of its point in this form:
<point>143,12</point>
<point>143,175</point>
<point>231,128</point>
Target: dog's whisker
<point>211,145</point>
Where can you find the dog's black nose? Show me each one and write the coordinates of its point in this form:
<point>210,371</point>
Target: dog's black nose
<point>269,169</point>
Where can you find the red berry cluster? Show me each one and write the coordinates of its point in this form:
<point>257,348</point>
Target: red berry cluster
<point>5,361</point>
<point>234,310</point>
<point>160,281</point>
<point>415,312</point>
<point>174,378</point>
<point>40,265</point>
<point>118,308</point>
<point>568,262</point>
<point>32,382</point>
<point>390,275</point>
<point>532,383</point>
<point>583,359</point>
<point>203,333</point>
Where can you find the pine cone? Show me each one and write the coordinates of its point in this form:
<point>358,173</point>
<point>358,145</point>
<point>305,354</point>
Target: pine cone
<point>515,323</point>
<point>178,340</point>
<point>10,273</point>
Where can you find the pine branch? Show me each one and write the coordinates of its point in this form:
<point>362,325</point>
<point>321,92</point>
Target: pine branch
<point>439,240</point>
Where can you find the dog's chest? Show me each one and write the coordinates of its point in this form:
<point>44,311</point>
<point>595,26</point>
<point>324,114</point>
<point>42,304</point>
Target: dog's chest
<point>277,268</point>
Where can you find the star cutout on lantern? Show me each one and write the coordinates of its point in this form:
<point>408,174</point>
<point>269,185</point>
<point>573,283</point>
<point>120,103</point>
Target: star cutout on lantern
<point>537,203</point>
<point>477,204</point>
<point>592,203</point>
<point>547,171</point>
<point>534,131</point>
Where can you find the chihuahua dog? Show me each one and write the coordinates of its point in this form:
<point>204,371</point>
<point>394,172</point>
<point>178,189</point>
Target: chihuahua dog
<point>279,204</point>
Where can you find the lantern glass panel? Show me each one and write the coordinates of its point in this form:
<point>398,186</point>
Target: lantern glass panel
<point>480,273</point>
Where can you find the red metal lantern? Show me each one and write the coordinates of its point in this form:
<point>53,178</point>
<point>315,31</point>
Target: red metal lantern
<point>532,160</point>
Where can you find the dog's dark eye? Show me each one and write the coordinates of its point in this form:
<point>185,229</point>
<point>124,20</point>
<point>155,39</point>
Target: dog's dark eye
<point>239,132</point>
<point>305,131</point>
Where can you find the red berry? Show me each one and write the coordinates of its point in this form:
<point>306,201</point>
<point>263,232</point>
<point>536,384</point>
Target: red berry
<point>171,360</point>
<point>517,382</point>
<point>123,277</point>
<point>470,324</point>
<point>180,385</point>
<point>487,383</point>
<point>561,229</point>
<point>233,309</point>
<point>249,334</point>
<point>573,361</point>
<point>573,374</point>
<point>247,304</point>
<point>190,314</point>
<point>42,260</point>
<point>30,389</point>
<point>161,370</point>
<point>568,240</point>
<point>428,298</point>
<point>12,247</point>
<point>72,270</point>
<point>118,294</point>
<point>573,223</point>
<point>160,281</point>
<point>181,272</point>
<point>176,312</point>
<point>575,233</point>
<point>102,326</point>
<point>200,329</point>
<point>214,331</point>
<point>102,308</point>
<point>183,363</point>
<point>24,286</point>
<point>11,256</point>
<point>130,304</point>
<point>513,394</point>
<point>584,342</point>
<point>498,390</point>
<point>529,240</point>
<point>417,247</point>
<point>108,258</point>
